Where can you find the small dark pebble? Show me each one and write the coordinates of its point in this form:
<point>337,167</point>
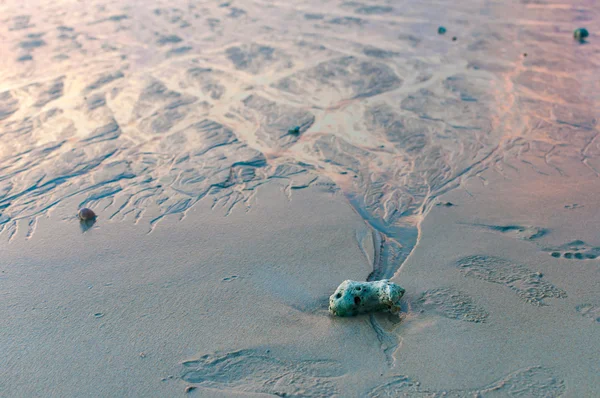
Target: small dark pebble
<point>441,30</point>
<point>524,54</point>
<point>580,34</point>
<point>295,130</point>
<point>86,214</point>
<point>454,38</point>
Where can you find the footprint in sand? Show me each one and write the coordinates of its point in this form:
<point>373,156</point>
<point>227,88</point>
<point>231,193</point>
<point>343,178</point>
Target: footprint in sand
<point>258,372</point>
<point>530,382</point>
<point>576,250</point>
<point>528,285</point>
<point>589,311</point>
<point>451,303</point>
<point>523,232</point>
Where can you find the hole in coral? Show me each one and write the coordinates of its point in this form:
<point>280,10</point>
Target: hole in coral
<point>357,300</point>
<point>339,295</point>
<point>358,288</point>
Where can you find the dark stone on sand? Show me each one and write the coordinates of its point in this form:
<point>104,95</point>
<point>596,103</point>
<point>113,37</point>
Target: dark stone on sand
<point>441,30</point>
<point>581,34</point>
<point>86,214</point>
<point>454,38</point>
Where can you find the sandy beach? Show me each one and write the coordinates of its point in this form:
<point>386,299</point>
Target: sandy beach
<point>246,157</point>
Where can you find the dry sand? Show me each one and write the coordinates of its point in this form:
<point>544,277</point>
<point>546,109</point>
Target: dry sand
<point>466,170</point>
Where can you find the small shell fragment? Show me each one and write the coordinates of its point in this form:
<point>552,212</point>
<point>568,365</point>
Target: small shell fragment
<point>86,214</point>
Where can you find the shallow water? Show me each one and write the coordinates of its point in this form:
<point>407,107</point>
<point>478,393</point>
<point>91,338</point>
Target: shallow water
<point>142,110</point>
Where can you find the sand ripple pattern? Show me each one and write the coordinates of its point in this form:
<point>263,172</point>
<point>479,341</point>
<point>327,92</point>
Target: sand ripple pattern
<point>141,112</point>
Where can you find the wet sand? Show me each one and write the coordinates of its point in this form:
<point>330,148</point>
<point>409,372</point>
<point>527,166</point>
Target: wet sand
<point>244,158</point>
